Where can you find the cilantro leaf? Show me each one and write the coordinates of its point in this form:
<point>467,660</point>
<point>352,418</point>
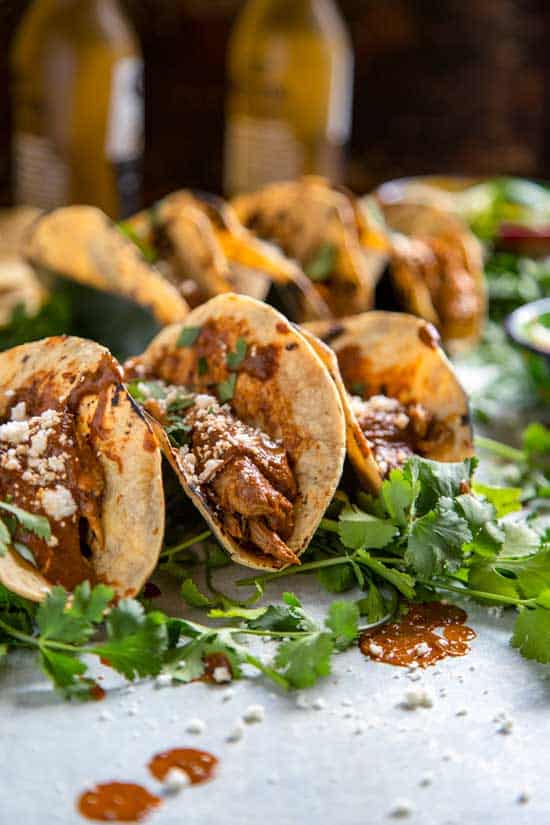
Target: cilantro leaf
<point>343,622</point>
<point>373,607</point>
<point>398,494</point>
<point>226,389</point>
<point>435,541</point>
<point>63,669</point>
<point>361,530</point>
<point>519,540</point>
<point>486,578</point>
<point>504,499</point>
<point>39,525</point>
<point>321,265</point>
<point>437,479</point>
<point>336,579</point>
<point>90,603</point>
<point>249,614</point>
<point>5,538</point>
<point>536,440</point>
<point>192,595</point>
<point>188,336</point>
<point>400,580</point>
<point>56,621</point>
<point>302,661</point>
<point>136,643</point>
<point>235,359</point>
<point>532,634</point>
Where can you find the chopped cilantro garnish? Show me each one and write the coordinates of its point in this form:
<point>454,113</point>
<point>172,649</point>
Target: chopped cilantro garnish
<point>321,266</point>
<point>226,389</point>
<point>188,336</point>
<point>235,359</point>
<point>202,365</point>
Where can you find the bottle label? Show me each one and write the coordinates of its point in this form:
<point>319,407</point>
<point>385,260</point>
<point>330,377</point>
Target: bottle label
<point>259,151</point>
<point>41,175</point>
<point>126,111</point>
<point>125,128</point>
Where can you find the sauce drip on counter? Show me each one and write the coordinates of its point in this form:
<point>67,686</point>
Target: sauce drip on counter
<point>198,765</point>
<point>97,692</point>
<point>415,640</point>
<point>117,802</point>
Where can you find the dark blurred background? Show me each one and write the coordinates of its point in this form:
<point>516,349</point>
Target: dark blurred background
<point>452,86</point>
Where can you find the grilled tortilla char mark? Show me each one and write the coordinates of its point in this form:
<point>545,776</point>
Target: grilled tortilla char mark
<point>241,471</point>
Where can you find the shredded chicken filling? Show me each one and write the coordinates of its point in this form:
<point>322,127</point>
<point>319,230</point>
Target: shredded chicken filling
<point>244,474</point>
<point>395,431</point>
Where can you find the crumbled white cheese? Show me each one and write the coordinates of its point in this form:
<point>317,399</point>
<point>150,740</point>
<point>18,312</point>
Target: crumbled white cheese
<point>318,703</point>
<point>211,467</point>
<point>176,780</point>
<point>236,733</point>
<point>422,649</point>
<point>195,726</point>
<point>506,727</point>
<point>58,503</point>
<point>19,412</point>
<point>414,699</point>
<point>14,432</point>
<point>254,713</point>
<point>401,809</point>
<point>227,695</point>
<point>221,674</point>
<point>376,650</point>
<point>163,680</point>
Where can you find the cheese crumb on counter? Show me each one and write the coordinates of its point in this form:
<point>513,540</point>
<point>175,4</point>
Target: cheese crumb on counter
<point>415,699</point>
<point>175,780</point>
<point>195,726</point>
<point>254,713</point>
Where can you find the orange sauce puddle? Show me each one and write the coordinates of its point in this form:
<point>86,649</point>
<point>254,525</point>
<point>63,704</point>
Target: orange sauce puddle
<point>198,765</point>
<point>117,802</point>
<point>414,639</point>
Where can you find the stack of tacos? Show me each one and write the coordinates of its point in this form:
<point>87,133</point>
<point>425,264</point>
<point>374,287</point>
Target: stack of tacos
<point>80,472</point>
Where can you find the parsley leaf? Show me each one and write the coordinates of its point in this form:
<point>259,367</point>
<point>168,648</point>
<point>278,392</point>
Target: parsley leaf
<point>188,336</point>
<point>235,359</point>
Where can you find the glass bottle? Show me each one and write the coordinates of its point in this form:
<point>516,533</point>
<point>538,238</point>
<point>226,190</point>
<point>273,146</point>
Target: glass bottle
<point>290,93</point>
<point>78,107</point>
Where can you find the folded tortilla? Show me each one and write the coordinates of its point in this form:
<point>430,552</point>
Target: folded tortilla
<point>250,420</point>
<point>77,451</point>
<point>399,391</point>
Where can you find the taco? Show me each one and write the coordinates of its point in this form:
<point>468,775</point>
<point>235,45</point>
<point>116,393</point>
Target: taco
<point>437,271</point>
<point>326,231</point>
<point>117,297</point>
<point>77,455</point>
<point>204,250</point>
<point>400,394</point>
<point>251,422</point>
